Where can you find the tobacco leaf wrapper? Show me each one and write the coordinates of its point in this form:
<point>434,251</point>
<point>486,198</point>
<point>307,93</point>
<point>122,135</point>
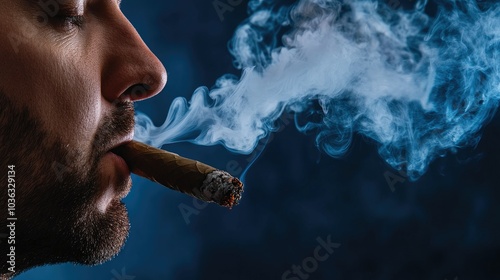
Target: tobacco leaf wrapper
<point>181,174</point>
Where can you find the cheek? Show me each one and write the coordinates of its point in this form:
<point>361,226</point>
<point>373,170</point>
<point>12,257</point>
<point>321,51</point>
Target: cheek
<point>58,87</point>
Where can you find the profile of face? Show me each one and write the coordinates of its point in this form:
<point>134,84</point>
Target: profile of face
<point>70,71</point>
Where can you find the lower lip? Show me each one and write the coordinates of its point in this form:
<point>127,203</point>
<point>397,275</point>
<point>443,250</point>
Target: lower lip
<point>115,180</point>
<point>116,166</point>
<point>119,162</point>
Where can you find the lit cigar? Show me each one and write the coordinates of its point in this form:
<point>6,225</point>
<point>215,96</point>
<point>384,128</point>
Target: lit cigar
<point>181,174</point>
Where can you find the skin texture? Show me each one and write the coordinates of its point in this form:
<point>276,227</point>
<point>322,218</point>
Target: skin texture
<point>67,87</point>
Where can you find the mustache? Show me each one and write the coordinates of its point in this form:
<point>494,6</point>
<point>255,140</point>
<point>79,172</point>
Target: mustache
<point>119,123</point>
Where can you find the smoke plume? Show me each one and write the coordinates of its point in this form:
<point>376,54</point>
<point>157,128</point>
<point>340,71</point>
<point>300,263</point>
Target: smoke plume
<point>420,86</point>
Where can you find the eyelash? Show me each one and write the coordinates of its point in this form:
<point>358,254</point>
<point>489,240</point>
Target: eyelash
<point>68,18</point>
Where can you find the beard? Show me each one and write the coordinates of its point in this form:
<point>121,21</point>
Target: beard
<point>56,190</point>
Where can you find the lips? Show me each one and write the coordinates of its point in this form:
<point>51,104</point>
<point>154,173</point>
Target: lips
<point>120,141</point>
<point>115,179</point>
<point>122,173</point>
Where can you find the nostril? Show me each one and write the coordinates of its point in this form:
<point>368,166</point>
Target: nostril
<point>139,91</point>
<point>146,87</point>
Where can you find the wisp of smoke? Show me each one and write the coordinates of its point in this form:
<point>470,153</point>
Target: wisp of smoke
<point>419,86</point>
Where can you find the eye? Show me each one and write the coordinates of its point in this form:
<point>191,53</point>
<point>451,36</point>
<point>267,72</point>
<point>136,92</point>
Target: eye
<point>68,17</point>
<point>70,20</point>
<point>61,14</point>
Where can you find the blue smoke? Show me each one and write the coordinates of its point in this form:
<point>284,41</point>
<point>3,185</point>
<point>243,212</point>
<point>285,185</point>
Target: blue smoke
<point>419,86</point>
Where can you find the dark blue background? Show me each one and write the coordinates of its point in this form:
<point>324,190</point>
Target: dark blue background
<point>444,226</point>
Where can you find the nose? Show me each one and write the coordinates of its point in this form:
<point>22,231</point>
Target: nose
<point>131,71</point>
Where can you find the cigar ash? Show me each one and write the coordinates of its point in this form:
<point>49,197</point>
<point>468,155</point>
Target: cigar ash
<point>222,188</point>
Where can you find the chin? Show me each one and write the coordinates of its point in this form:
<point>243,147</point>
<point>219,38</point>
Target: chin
<point>84,237</point>
<point>101,227</point>
<point>102,237</point>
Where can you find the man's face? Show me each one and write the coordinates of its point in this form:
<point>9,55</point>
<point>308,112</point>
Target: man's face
<point>69,72</point>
